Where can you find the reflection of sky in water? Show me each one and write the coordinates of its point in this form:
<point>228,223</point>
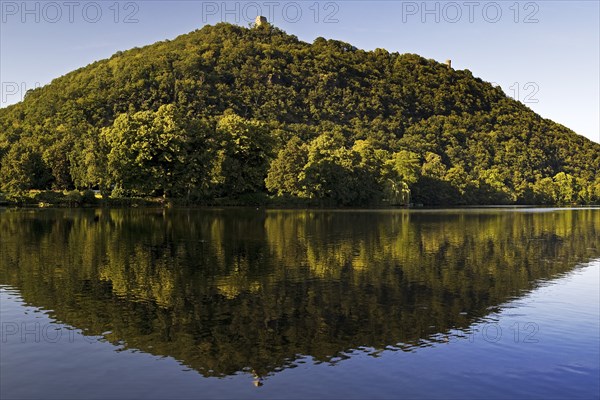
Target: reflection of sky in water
<point>544,344</point>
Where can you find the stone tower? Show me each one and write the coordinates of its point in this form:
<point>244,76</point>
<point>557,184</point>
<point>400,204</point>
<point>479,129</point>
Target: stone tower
<point>449,63</point>
<point>260,20</point>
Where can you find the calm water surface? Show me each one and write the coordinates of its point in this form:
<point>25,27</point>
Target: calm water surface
<point>477,303</point>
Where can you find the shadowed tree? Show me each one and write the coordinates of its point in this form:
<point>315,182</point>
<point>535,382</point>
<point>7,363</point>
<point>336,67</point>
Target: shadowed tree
<point>243,161</point>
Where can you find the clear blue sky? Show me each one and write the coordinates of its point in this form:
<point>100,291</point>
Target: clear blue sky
<point>545,52</point>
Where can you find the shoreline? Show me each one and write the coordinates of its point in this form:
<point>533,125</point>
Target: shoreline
<point>91,199</point>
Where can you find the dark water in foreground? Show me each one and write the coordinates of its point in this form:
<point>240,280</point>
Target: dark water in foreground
<point>492,303</point>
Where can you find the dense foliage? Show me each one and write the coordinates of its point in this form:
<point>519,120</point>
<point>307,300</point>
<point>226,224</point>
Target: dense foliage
<point>228,111</point>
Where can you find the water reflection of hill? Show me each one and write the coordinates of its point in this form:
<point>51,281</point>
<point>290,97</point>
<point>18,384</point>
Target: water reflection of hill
<point>225,291</point>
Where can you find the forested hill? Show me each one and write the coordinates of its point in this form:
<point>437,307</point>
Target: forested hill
<point>239,113</point>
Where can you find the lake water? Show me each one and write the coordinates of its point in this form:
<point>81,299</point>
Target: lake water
<point>474,303</point>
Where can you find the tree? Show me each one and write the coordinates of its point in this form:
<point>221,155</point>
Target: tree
<point>433,167</point>
<point>56,158</point>
<point>545,191</point>
<point>402,171</point>
<point>146,151</point>
<point>566,188</point>
<point>160,106</point>
<point>23,169</point>
<point>200,152</point>
<point>334,174</point>
<point>285,170</point>
<point>243,161</point>
<point>89,164</point>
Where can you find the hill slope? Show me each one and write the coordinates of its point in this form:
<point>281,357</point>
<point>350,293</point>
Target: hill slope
<point>229,111</point>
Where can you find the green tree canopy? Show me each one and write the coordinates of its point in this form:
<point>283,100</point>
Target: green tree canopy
<point>213,114</point>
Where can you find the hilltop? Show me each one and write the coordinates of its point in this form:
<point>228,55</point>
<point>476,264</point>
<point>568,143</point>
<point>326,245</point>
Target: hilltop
<point>242,113</point>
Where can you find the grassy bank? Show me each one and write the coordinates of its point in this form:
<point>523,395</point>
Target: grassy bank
<point>89,198</point>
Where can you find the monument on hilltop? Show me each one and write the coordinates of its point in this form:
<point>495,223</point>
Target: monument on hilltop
<point>260,20</point>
